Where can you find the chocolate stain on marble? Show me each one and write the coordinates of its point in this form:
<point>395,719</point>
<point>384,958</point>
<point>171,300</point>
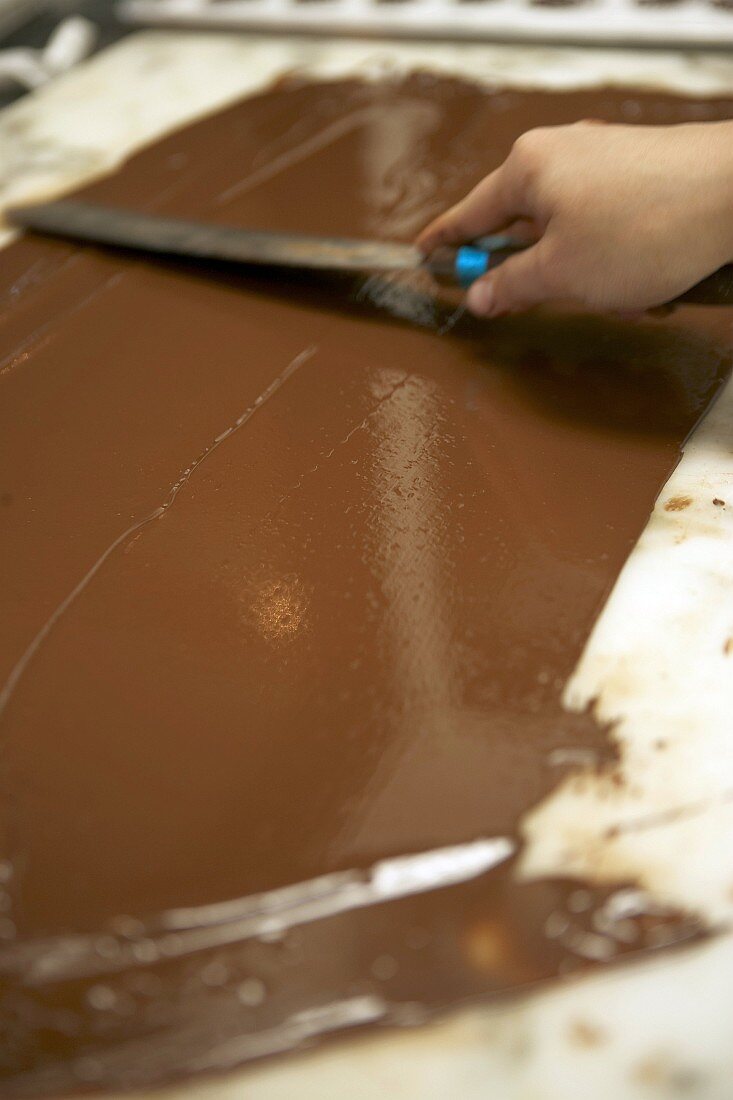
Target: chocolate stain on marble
<point>295,571</point>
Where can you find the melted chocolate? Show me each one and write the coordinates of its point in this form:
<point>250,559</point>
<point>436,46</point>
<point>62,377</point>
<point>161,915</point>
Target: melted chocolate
<point>294,574</point>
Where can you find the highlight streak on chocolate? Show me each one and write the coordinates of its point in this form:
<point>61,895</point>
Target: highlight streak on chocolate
<point>341,655</point>
<point>18,669</point>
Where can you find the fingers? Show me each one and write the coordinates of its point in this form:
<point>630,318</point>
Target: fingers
<point>490,206</point>
<point>519,283</point>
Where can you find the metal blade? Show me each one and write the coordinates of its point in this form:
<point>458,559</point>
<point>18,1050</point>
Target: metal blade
<point>148,232</point>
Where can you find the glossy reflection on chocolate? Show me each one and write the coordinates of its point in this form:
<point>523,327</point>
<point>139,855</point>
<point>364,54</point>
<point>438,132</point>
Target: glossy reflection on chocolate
<point>294,573</point>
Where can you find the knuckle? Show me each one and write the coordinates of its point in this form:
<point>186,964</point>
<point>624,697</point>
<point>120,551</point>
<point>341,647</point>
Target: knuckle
<point>529,152</point>
<point>532,142</point>
<point>522,151</point>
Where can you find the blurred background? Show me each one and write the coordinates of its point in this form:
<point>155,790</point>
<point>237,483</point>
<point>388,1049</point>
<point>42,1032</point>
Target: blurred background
<point>41,38</point>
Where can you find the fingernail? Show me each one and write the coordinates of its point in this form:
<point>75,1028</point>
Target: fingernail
<point>480,299</point>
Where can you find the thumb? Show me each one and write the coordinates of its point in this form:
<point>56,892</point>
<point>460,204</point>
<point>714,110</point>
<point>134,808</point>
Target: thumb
<point>519,283</point>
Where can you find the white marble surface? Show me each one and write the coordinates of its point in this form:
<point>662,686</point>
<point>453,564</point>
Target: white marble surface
<point>658,660</point>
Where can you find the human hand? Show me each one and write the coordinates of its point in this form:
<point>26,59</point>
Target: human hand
<point>625,218</point>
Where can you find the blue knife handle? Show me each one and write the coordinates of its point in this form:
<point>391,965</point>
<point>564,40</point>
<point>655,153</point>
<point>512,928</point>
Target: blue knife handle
<point>464,265</point>
<point>470,264</point>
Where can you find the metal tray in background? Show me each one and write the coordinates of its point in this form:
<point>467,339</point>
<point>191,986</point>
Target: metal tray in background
<point>679,23</point>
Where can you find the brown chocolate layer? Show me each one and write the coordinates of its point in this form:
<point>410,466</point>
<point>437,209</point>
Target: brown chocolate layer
<point>294,573</point>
